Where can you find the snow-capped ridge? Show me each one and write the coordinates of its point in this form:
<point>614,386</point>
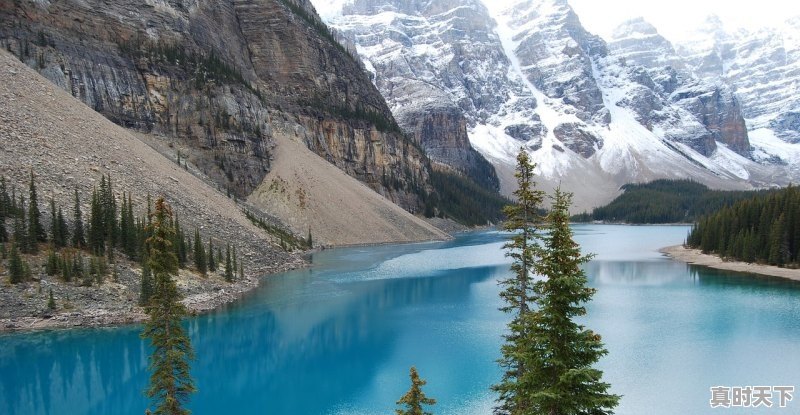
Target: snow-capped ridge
<point>593,115</point>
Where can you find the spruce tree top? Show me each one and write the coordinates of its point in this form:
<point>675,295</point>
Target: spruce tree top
<point>415,397</point>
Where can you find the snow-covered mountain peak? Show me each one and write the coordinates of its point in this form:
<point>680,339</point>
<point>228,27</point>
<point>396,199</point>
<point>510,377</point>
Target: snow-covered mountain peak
<point>761,66</point>
<point>637,27</point>
<point>593,115</point>
<point>639,42</point>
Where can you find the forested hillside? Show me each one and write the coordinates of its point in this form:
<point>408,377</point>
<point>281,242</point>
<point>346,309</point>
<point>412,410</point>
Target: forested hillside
<point>463,200</point>
<point>665,201</point>
<point>763,229</point>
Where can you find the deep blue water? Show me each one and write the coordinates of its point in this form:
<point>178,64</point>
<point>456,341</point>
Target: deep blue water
<point>339,338</point>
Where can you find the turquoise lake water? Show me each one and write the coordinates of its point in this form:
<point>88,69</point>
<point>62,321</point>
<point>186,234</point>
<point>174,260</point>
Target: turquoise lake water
<point>338,338</point>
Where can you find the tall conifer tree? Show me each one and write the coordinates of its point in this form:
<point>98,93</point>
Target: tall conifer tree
<point>170,381</point>
<point>97,239</point>
<point>16,265</point>
<point>5,199</point>
<point>146,285</point>
<point>560,374</point>
<point>212,263</point>
<point>228,265</point>
<point>36,231</point>
<point>200,262</point>
<point>78,235</point>
<point>21,237</point>
<point>5,206</point>
<point>522,220</point>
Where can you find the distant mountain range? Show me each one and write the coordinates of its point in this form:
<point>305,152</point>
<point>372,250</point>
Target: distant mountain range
<point>595,114</point>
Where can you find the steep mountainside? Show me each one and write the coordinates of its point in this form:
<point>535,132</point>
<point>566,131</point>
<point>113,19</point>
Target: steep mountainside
<point>411,47</point>
<point>743,108</point>
<point>216,79</point>
<point>532,76</point>
<point>45,131</point>
<point>762,67</point>
<point>311,195</point>
<point>713,103</point>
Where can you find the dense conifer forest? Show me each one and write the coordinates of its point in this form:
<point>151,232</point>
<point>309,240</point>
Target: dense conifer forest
<point>763,229</point>
<point>84,251</point>
<point>665,201</point>
<point>463,200</point>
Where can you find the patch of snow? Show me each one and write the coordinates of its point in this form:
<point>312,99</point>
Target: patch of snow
<point>549,159</point>
<point>329,9</point>
<point>730,161</point>
<point>767,145</point>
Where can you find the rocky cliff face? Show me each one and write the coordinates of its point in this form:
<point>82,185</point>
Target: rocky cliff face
<point>214,78</point>
<point>442,132</point>
<point>638,42</point>
<point>718,109</point>
<point>761,67</point>
<point>556,53</point>
<point>713,104</point>
<point>424,66</point>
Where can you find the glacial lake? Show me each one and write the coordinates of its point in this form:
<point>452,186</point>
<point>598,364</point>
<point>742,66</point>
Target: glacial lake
<point>339,338</point>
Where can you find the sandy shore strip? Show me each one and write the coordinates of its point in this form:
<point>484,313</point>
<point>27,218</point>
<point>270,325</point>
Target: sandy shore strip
<point>696,257</point>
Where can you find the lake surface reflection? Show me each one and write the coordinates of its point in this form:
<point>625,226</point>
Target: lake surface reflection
<point>339,338</point>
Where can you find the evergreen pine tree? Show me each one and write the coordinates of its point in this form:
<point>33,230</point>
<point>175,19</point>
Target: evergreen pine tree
<point>52,264</point>
<point>170,381</point>
<point>65,264</point>
<point>132,237</point>
<point>93,271</point>
<point>20,235</point>
<point>212,263</point>
<point>233,257</point>
<point>310,242</point>
<point>179,244</point>
<point>78,236</point>
<point>415,398</point>
<point>123,225</point>
<point>54,229</point>
<point>77,266</point>
<point>149,216</point>
<point>522,218</point>
<point>35,229</point>
<point>146,287</point>
<point>4,210</point>
<point>51,303</point>
<point>16,265</point>
<point>63,229</point>
<point>5,200</point>
<point>108,205</point>
<point>3,231</point>
<point>776,238</point>
<point>97,227</point>
<point>228,265</point>
<point>560,376</point>
<point>14,206</point>
<point>200,262</point>
<point>129,238</point>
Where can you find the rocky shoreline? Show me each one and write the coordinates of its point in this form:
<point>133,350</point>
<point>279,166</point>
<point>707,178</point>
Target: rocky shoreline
<point>696,257</point>
<point>112,303</point>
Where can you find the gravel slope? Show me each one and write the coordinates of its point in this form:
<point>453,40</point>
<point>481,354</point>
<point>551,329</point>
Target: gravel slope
<point>306,192</point>
<point>70,146</point>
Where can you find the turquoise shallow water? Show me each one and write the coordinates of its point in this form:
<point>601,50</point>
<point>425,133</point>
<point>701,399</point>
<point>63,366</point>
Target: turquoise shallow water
<point>338,338</point>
